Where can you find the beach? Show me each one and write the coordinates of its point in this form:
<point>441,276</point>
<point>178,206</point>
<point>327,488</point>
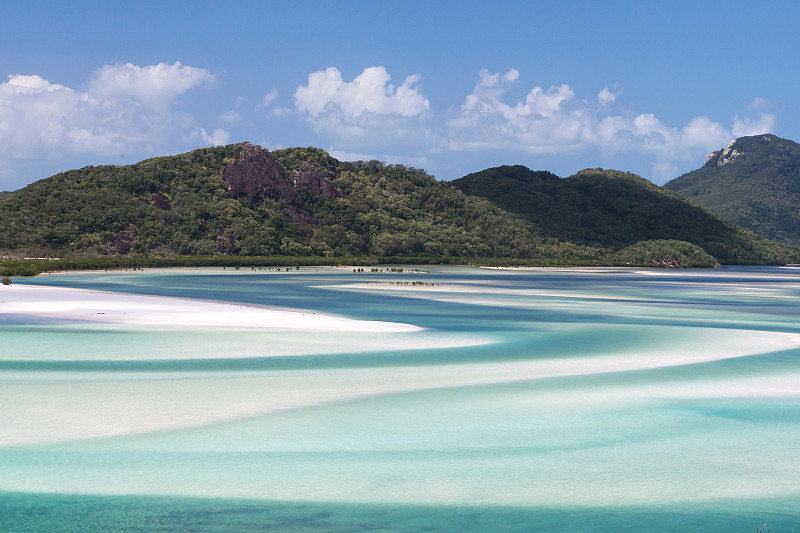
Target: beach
<point>96,306</point>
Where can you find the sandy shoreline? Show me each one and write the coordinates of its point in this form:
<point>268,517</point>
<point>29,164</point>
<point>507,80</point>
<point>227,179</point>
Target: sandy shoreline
<point>97,306</point>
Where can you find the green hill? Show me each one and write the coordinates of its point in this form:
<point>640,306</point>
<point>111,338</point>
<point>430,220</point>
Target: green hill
<point>243,200</point>
<point>754,182</point>
<point>608,208</point>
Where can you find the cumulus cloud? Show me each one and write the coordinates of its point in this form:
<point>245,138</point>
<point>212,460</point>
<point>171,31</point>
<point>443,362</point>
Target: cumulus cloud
<point>152,85</point>
<point>33,112</point>
<point>127,108</point>
<point>544,122</point>
<point>218,137</point>
<point>606,96</point>
<point>743,127</point>
<point>368,113</point>
<point>350,108</point>
<point>554,121</point>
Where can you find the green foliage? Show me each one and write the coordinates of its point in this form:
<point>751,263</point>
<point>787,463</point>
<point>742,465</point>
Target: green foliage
<point>755,184</point>
<point>607,208</point>
<point>388,211</point>
<point>663,253</point>
<point>171,211</point>
<point>291,158</point>
<point>32,267</point>
<point>82,211</point>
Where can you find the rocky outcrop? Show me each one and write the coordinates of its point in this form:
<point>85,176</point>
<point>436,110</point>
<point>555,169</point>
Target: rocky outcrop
<point>256,175</point>
<point>722,157</point>
<point>315,180</point>
<point>121,244</point>
<point>158,200</point>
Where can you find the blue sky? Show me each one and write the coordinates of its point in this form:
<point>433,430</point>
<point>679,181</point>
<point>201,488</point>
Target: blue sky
<point>451,87</point>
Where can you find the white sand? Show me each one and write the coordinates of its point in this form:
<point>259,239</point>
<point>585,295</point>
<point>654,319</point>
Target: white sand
<point>53,408</point>
<point>83,305</point>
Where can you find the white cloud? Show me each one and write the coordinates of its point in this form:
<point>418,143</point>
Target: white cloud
<point>151,85</point>
<point>606,96</point>
<point>218,137</point>
<point>702,132</point>
<point>743,127</point>
<point>126,109</point>
<point>544,122</point>
<point>350,108</point>
<point>554,122</point>
<point>368,114</point>
<point>270,97</point>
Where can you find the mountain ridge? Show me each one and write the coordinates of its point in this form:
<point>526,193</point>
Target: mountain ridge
<point>610,208</point>
<point>754,182</point>
<point>242,200</point>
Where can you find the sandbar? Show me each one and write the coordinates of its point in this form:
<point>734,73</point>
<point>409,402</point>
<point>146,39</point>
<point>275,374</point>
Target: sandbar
<point>97,306</point>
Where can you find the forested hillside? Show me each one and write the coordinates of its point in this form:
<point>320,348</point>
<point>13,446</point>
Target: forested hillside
<point>754,182</point>
<point>242,200</point>
<point>615,209</point>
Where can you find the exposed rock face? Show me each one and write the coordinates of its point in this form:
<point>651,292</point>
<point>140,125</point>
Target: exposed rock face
<point>722,157</point>
<point>122,242</point>
<point>315,180</point>
<point>160,201</point>
<point>257,176</point>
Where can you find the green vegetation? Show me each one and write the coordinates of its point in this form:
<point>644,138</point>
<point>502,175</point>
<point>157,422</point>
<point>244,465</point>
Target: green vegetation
<point>177,211</point>
<point>754,182</point>
<point>32,267</point>
<point>664,253</point>
<point>612,209</point>
<point>81,212</point>
<point>179,205</point>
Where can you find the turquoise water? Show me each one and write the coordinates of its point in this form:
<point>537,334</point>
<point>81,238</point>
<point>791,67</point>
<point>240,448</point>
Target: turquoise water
<point>542,400</point>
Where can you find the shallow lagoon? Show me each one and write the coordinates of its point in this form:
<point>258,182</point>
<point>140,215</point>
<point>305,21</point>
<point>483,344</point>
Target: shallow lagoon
<point>574,400</point>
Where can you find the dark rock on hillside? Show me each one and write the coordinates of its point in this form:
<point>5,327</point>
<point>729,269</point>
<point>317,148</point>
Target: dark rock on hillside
<point>256,175</point>
<point>121,244</point>
<point>316,181</point>
<point>158,200</point>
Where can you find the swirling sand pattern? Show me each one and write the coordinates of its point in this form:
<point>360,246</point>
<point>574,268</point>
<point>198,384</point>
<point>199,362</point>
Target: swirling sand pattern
<point>572,399</point>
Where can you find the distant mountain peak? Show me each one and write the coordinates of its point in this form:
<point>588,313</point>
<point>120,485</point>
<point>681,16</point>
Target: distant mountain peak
<point>753,182</point>
<point>737,148</point>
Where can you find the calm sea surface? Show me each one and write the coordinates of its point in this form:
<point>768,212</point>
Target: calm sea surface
<point>537,400</point>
